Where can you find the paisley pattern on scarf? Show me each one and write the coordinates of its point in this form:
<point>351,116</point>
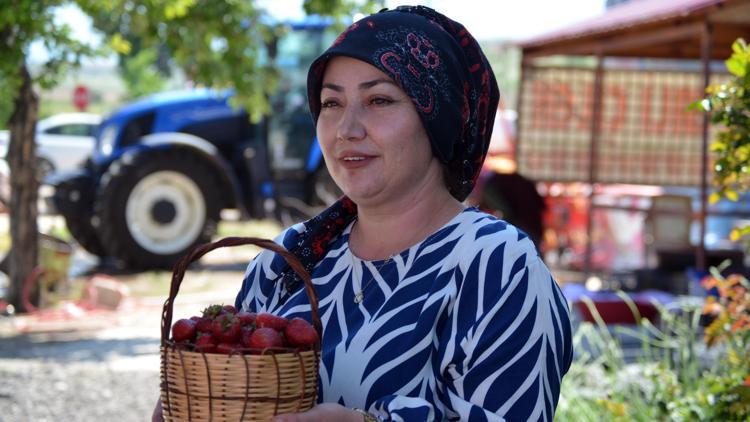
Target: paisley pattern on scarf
<point>467,324</point>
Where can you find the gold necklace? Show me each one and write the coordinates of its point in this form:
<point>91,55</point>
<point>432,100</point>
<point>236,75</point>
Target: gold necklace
<point>360,296</point>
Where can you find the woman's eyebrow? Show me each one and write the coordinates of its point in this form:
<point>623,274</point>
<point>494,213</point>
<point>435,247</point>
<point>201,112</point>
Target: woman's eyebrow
<point>362,86</point>
<point>337,88</point>
<point>372,83</point>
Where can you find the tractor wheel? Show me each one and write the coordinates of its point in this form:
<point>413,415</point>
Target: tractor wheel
<point>154,207</point>
<point>74,199</point>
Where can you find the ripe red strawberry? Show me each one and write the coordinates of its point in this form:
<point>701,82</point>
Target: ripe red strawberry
<point>205,343</point>
<point>226,328</point>
<point>272,321</point>
<point>229,309</point>
<point>246,318</point>
<point>183,330</point>
<point>300,333</point>
<point>247,331</point>
<point>265,337</point>
<point>204,325</point>
<point>228,348</point>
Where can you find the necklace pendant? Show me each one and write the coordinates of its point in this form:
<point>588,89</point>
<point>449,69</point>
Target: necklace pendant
<point>359,297</point>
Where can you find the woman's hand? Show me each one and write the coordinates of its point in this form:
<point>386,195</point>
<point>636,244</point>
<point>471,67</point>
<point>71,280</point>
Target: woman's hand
<point>323,412</point>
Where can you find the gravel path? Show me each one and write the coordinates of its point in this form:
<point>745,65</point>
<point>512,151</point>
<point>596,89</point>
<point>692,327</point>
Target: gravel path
<point>48,391</point>
<point>109,372</point>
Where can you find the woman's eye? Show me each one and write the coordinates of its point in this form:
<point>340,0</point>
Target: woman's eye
<point>328,104</point>
<point>381,101</point>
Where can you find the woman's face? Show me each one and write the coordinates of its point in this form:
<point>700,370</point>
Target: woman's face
<point>373,141</point>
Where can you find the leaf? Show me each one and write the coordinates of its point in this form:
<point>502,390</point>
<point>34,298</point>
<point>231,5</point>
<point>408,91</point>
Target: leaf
<point>120,45</point>
<point>734,235</point>
<point>736,66</point>
<point>714,197</point>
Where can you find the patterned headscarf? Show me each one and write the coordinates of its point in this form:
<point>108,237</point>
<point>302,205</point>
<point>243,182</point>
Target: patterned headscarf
<point>441,67</point>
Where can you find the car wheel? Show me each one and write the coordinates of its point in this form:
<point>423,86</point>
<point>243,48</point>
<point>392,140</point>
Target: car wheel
<point>155,206</point>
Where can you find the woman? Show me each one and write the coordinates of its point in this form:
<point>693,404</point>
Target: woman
<point>431,310</point>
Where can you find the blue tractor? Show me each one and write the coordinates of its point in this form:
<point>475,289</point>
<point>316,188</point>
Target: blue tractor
<point>165,166</point>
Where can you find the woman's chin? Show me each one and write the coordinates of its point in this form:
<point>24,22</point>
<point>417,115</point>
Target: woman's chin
<point>362,195</point>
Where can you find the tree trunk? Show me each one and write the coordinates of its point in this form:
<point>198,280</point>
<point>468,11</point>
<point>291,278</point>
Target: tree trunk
<point>24,188</point>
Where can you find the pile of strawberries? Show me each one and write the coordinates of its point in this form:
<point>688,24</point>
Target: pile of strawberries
<point>221,329</point>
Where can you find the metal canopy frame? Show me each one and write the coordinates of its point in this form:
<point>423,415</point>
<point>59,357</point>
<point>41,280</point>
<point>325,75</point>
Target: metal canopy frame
<point>666,29</point>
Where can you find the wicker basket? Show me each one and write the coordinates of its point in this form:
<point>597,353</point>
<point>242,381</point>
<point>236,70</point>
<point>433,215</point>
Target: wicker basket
<point>198,386</point>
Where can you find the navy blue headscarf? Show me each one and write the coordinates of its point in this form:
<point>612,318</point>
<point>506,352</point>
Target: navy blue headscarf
<point>441,67</point>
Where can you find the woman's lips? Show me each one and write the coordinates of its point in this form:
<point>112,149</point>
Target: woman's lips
<point>355,161</point>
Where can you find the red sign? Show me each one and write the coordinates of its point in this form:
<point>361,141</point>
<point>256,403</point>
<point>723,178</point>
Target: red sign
<point>81,97</point>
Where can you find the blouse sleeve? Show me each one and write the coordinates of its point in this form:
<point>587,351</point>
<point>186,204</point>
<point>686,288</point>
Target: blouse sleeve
<point>504,348</point>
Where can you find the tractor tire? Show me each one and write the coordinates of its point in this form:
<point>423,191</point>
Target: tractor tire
<point>74,200</point>
<point>154,207</point>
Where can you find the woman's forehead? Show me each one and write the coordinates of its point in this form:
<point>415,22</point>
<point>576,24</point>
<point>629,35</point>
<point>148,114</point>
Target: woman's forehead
<point>347,69</point>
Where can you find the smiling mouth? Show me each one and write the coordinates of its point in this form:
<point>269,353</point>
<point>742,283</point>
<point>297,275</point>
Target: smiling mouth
<point>354,158</point>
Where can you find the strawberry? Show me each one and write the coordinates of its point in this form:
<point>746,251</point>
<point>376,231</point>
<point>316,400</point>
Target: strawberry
<point>300,333</point>
<point>226,328</point>
<point>229,348</point>
<point>229,309</point>
<point>265,337</point>
<point>247,331</point>
<point>183,330</point>
<point>204,325</point>
<point>205,343</point>
<point>270,320</point>
<point>246,318</point>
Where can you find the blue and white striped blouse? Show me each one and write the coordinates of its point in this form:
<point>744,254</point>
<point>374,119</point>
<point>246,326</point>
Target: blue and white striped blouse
<point>468,324</point>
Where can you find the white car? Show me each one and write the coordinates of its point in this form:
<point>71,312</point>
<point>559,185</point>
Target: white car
<point>63,141</point>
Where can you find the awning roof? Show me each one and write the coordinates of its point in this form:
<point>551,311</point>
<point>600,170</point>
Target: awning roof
<point>650,28</point>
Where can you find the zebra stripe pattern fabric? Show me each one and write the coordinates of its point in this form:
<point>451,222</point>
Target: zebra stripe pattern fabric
<point>466,325</point>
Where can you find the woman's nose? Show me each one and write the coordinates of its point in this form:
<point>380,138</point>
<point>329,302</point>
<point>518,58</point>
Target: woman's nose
<point>350,125</point>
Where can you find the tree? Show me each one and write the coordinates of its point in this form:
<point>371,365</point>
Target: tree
<point>219,44</point>
<point>216,43</point>
<point>729,107</point>
<point>20,25</point>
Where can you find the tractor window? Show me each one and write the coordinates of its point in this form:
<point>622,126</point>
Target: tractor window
<point>222,131</point>
<point>136,128</point>
<point>291,130</point>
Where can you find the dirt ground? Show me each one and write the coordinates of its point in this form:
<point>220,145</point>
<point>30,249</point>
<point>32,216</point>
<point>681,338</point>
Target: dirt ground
<point>70,363</point>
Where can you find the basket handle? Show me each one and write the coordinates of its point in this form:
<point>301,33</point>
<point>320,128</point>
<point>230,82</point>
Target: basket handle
<point>178,273</point>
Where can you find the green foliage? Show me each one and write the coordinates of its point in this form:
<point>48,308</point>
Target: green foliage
<point>676,376</point>
<point>28,21</point>
<point>219,44</point>
<point>729,107</point>
<point>341,8</point>
<point>140,75</point>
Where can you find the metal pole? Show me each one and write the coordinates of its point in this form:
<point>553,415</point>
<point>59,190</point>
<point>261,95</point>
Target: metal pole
<point>700,251</point>
<point>596,115</point>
